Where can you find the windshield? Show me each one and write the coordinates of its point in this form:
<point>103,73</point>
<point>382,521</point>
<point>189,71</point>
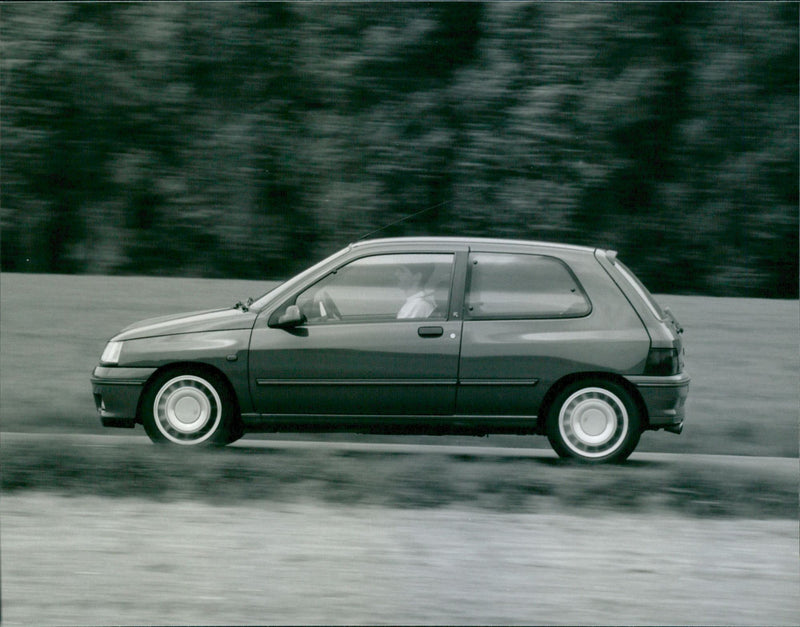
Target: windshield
<point>262,301</point>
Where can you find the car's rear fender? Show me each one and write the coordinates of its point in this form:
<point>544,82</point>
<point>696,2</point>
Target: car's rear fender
<point>550,395</point>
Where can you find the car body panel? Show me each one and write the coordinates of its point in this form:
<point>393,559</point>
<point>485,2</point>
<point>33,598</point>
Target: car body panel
<point>499,357</point>
<point>664,331</point>
<point>224,351</point>
<point>401,367</point>
<point>199,321</point>
<point>611,338</point>
<point>372,368</point>
<point>116,393</point>
<point>664,397</point>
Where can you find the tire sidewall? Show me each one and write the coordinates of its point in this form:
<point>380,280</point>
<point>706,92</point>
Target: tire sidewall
<point>226,430</point>
<point>630,440</point>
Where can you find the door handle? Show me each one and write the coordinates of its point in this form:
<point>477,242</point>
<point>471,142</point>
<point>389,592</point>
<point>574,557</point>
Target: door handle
<point>430,331</point>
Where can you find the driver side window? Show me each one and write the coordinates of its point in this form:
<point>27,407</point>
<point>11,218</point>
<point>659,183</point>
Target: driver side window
<point>381,288</point>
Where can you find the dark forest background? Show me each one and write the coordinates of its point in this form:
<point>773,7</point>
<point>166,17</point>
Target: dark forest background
<point>247,140</point>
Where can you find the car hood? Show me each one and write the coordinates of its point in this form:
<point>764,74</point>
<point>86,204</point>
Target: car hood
<point>193,322</point>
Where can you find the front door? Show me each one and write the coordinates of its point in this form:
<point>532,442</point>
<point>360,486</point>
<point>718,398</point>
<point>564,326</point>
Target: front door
<point>376,341</point>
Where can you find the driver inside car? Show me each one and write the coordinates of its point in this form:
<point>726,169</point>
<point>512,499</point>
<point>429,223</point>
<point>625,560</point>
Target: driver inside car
<point>420,302</point>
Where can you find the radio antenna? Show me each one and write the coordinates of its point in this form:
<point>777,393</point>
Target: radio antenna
<point>408,217</point>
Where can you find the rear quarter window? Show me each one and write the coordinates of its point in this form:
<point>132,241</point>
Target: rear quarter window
<point>514,286</point>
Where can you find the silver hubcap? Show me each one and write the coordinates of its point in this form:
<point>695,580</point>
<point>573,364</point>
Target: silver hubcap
<point>593,422</point>
<point>187,410</point>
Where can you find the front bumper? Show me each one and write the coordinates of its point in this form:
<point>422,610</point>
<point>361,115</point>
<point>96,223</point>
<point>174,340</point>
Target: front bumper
<point>665,399</point>
<point>116,393</point>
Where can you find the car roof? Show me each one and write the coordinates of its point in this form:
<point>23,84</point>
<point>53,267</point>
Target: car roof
<point>471,241</point>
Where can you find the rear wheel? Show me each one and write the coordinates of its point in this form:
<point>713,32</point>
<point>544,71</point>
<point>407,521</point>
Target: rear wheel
<point>594,421</point>
<point>190,409</point>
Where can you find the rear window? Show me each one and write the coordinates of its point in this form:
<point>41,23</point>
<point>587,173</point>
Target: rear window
<point>523,286</point>
<point>647,297</point>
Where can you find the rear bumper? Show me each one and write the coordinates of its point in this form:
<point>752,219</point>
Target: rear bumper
<point>665,399</point>
<point>116,393</point>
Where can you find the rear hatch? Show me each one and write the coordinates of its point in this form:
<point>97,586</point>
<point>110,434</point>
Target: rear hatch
<point>666,348</point>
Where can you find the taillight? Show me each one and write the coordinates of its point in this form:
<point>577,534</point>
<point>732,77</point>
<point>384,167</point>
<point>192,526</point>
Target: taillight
<point>663,362</point>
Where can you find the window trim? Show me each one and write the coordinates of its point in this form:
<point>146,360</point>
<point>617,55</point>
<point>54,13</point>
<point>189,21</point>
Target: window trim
<point>468,285</point>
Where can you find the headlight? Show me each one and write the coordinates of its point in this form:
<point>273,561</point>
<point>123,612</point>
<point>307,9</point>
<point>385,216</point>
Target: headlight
<point>111,353</point>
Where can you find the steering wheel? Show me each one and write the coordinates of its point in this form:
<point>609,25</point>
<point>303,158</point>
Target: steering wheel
<point>330,307</point>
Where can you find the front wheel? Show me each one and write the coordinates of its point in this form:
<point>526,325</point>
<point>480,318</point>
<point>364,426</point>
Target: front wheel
<point>189,409</point>
<point>594,421</point>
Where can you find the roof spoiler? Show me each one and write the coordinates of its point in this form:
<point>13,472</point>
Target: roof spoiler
<point>611,255</point>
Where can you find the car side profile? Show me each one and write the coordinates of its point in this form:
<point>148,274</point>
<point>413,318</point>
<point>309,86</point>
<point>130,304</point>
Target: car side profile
<point>414,336</point>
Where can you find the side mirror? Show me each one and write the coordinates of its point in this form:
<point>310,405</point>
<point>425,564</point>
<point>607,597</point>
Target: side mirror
<point>292,317</point>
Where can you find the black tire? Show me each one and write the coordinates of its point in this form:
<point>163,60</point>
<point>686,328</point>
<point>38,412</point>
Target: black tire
<point>190,408</point>
<point>594,421</point>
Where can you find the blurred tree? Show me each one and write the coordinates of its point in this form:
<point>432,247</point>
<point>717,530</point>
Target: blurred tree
<point>247,139</point>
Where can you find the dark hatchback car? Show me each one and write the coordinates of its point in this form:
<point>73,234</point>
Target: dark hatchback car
<point>414,336</point>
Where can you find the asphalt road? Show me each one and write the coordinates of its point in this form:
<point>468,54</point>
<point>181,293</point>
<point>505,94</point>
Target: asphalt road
<point>783,466</point>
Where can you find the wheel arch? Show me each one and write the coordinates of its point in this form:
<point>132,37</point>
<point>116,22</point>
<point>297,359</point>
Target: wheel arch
<point>558,386</point>
<point>189,367</point>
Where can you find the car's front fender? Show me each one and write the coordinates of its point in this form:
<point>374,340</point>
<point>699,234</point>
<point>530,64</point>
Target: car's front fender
<point>225,351</point>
